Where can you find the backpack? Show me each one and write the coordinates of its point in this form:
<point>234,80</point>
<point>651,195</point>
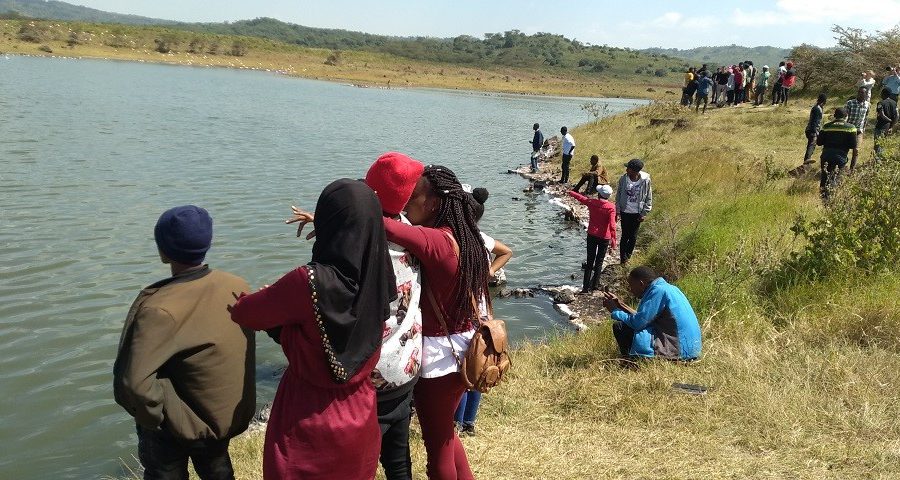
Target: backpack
<point>486,362</point>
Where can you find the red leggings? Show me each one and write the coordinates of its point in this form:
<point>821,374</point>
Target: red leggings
<point>436,401</point>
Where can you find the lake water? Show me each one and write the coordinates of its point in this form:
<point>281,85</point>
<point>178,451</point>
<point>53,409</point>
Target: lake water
<point>92,152</point>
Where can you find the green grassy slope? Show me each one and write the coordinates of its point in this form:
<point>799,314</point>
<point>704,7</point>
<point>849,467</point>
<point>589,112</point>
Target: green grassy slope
<point>802,379</point>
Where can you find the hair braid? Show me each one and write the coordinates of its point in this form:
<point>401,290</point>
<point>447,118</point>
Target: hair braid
<point>457,213</point>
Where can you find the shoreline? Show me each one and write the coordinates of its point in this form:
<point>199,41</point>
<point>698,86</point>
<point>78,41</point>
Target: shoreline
<point>582,311</point>
<point>333,79</point>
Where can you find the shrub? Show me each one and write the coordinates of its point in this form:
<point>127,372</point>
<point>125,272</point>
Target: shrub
<point>660,72</point>
<point>238,49</point>
<point>45,48</point>
<point>35,32</point>
<point>334,58</point>
<point>166,44</point>
<point>196,46</point>
<point>859,231</point>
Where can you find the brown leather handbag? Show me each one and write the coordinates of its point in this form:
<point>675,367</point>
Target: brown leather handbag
<point>486,362</point>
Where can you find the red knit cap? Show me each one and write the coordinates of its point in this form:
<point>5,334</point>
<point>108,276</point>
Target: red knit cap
<point>393,177</point>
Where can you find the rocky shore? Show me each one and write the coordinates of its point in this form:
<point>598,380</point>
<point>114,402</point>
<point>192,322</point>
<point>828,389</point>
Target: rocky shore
<point>581,310</point>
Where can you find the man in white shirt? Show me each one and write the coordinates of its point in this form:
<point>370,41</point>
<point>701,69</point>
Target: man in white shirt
<point>568,149</point>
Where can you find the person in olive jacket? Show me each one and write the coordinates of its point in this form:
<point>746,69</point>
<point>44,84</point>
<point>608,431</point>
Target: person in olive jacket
<point>184,370</point>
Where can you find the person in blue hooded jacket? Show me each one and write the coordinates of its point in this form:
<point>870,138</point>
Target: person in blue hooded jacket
<point>664,324</point>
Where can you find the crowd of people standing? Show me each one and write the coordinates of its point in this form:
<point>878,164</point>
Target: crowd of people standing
<point>842,138</point>
<point>739,84</point>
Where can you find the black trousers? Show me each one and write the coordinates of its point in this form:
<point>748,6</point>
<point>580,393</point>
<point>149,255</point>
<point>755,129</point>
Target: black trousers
<point>596,252</point>
<point>393,418</point>
<point>165,457</point>
<point>591,180</point>
<point>566,160</point>
<point>631,222</point>
<point>624,337</point>
<point>810,147</point>
<point>777,91</point>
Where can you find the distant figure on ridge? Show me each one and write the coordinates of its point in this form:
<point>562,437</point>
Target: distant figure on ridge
<point>568,149</point>
<point>704,84</point>
<point>664,324</point>
<point>536,143</point>
<point>601,233</point>
<point>185,371</point>
<point>634,200</point>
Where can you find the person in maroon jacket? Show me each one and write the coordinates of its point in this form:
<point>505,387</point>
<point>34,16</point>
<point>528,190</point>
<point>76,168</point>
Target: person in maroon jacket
<point>450,248</point>
<point>601,233</point>
<point>324,421</point>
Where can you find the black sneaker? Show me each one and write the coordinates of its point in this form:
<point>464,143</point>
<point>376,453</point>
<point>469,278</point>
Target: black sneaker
<point>468,430</point>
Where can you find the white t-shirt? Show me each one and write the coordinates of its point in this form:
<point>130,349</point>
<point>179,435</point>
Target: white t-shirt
<point>438,359</point>
<point>868,85</point>
<point>401,343</point>
<point>632,196</point>
<point>568,144</point>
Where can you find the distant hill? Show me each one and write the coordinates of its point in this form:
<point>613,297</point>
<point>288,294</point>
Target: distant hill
<point>726,55</point>
<point>507,49</point>
<point>66,11</point>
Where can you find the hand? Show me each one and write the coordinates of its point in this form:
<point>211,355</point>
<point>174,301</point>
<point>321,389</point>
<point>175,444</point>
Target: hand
<point>642,218</point>
<point>301,218</point>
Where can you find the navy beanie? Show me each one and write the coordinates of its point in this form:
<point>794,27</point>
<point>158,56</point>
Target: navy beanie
<point>184,234</point>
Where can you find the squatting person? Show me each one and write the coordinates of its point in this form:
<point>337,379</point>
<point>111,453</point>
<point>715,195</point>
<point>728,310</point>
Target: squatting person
<point>664,324</point>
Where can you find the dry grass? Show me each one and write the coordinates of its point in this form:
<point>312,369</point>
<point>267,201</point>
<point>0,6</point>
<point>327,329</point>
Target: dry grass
<point>802,382</point>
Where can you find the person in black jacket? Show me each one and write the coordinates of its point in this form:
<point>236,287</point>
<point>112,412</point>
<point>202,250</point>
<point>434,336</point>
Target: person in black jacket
<point>536,142</point>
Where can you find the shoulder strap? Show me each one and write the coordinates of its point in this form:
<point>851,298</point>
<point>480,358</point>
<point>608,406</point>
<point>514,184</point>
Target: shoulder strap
<point>440,314</point>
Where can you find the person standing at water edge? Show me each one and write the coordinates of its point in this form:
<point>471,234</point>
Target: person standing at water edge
<point>184,371</point>
<point>568,149</point>
<point>664,324</point>
<point>634,200</point>
<point>536,143</point>
<point>886,120</point>
<point>393,177</point>
<point>601,233</point>
<point>324,420</point>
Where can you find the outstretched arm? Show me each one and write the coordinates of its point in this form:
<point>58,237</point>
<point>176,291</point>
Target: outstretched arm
<point>502,255</point>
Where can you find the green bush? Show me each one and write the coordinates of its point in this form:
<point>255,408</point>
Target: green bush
<point>860,229</point>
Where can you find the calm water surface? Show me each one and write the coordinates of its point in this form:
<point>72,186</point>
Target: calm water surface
<point>92,152</point>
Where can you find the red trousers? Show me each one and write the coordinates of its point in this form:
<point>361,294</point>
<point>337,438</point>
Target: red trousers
<point>436,401</point>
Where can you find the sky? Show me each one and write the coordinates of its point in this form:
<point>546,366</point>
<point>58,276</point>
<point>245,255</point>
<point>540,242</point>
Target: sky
<point>633,24</point>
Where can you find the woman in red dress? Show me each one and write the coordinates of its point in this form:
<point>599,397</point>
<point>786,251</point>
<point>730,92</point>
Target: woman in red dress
<point>451,251</point>
<point>331,312</point>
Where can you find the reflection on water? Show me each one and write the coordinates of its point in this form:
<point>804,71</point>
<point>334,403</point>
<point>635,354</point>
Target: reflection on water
<point>94,151</point>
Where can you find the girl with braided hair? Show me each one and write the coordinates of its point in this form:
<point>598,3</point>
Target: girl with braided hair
<point>447,243</point>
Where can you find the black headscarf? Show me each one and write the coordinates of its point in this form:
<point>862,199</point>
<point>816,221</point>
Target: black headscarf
<point>351,275</point>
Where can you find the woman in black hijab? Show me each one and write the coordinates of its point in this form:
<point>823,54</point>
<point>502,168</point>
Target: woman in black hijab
<point>324,423</point>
